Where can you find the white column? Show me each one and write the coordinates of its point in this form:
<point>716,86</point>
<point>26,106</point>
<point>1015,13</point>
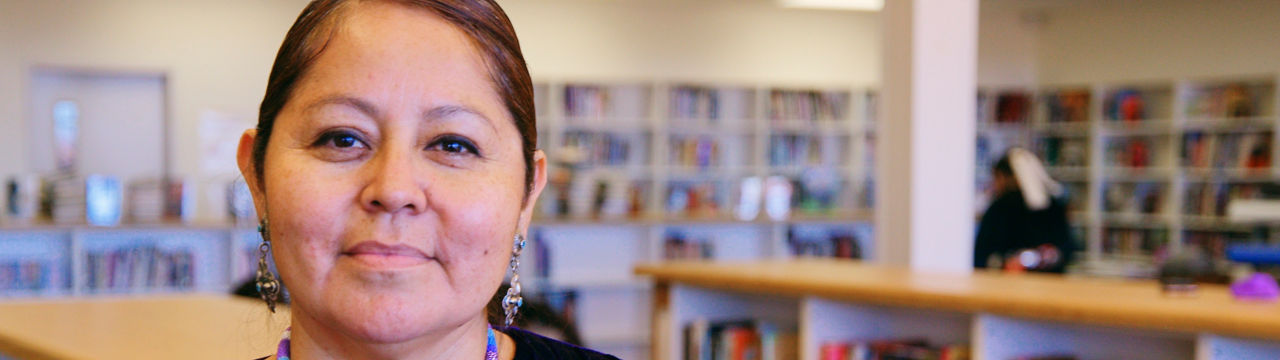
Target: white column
<point>925,155</point>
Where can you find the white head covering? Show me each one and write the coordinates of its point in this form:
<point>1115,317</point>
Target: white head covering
<point>1036,185</point>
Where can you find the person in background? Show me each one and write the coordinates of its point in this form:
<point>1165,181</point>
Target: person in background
<point>395,171</point>
<point>1025,228</point>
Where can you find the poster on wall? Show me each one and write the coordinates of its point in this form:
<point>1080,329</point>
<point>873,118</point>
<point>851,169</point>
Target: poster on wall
<point>66,133</point>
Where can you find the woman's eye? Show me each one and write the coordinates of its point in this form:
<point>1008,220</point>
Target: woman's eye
<point>455,145</point>
<point>340,140</point>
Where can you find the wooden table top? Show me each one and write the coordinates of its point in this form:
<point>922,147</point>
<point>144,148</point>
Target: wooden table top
<point>151,327</point>
<point>1112,302</point>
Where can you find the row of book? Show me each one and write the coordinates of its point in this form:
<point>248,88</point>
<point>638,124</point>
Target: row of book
<point>738,340</point>
<point>808,105</point>
<point>1060,151</point>
<point>710,104</point>
<point>835,243</point>
<point>793,150</point>
<point>1233,100</point>
<point>1211,199</point>
<point>678,246</point>
<point>1126,105</point>
<point>99,200</point>
<point>1139,242</point>
<point>891,349</point>
<point>25,274</point>
<point>1131,152</point>
<point>605,149</point>
<point>615,104</point>
<point>1134,198</point>
<point>1227,151</point>
<point>140,267</point>
<point>1010,108</point>
<point>696,151</point>
<point>1070,105</point>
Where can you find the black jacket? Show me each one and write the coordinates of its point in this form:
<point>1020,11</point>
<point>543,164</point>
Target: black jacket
<point>1009,226</point>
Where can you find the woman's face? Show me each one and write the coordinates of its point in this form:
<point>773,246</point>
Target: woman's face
<point>393,179</point>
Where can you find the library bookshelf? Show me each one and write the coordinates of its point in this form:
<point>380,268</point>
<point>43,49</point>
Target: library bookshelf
<point>1149,166</point>
<point>646,171</point>
<point>48,261</point>
<point>998,316</point>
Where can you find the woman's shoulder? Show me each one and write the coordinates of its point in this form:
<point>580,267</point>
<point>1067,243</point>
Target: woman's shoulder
<point>534,346</point>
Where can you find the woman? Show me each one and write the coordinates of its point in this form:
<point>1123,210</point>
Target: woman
<point>1025,228</point>
<point>394,169</point>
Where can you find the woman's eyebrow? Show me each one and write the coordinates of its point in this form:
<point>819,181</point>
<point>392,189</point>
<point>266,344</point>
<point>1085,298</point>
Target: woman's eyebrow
<point>361,105</point>
<point>447,111</point>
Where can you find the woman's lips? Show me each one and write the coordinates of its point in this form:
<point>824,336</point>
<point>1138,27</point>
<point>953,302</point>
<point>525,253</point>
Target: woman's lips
<point>386,256</point>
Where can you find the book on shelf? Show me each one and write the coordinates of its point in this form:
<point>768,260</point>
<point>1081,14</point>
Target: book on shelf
<point>591,148</point>
<point>710,105</point>
<point>677,246</point>
<point>1071,106</point>
<point>139,268</point>
<point>1126,105</point>
<point>26,275</point>
<point>93,199</point>
<point>1231,100</point>
<point>738,339</point>
<point>1135,242</point>
<point>1061,151</point>
<point>22,198</point>
<point>891,349</point>
<point>837,243</point>
<point>620,104</point>
<point>1211,199</point>
<point>1134,198</point>
<point>1245,151</point>
<point>808,106</point>
<point>1130,152</point>
<point>695,151</point>
<point>696,197</point>
<point>157,200</point>
<point>1012,108</point>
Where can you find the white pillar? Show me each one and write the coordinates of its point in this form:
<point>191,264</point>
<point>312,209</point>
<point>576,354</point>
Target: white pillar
<point>925,155</point>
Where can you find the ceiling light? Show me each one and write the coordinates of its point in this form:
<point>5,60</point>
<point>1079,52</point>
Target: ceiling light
<point>859,5</point>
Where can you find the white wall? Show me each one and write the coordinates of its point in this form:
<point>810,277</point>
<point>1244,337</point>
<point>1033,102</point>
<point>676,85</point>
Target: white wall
<point>217,53</point>
<point>1159,40</point>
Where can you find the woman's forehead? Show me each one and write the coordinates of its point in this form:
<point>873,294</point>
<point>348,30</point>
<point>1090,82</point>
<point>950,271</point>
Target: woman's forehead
<point>392,54</point>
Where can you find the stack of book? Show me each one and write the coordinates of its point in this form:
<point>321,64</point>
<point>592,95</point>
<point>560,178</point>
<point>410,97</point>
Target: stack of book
<point>160,200</point>
<point>738,339</point>
<point>893,349</point>
<point>94,199</point>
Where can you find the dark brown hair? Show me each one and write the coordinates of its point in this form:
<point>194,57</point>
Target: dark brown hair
<point>482,20</point>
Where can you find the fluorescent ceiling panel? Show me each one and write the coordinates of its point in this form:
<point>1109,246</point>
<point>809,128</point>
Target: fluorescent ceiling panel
<point>859,5</point>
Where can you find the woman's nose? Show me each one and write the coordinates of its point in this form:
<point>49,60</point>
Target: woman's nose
<point>394,184</point>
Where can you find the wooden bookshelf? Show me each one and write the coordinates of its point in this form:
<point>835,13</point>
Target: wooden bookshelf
<point>1002,316</point>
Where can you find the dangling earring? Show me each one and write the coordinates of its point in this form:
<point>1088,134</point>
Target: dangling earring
<point>268,286</point>
<point>512,302</point>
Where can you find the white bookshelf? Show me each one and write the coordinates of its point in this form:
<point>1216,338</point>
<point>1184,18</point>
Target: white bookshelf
<point>1107,156</point>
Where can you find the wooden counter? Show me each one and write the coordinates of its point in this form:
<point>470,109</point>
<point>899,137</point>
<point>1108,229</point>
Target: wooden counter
<point>154,327</point>
<point>1112,303</point>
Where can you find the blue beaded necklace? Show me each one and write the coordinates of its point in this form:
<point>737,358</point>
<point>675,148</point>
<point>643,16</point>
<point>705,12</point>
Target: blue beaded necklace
<point>490,350</point>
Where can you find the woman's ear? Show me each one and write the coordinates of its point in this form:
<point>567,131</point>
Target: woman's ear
<point>539,182</point>
<point>244,158</point>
